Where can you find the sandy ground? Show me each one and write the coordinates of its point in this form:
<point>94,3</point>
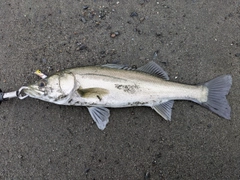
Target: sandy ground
<point>194,41</point>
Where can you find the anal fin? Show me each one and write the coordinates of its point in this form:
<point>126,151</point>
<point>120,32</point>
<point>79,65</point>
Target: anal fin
<point>164,109</point>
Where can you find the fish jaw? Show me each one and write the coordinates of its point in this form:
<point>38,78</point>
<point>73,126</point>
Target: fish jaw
<point>34,91</point>
<point>56,97</point>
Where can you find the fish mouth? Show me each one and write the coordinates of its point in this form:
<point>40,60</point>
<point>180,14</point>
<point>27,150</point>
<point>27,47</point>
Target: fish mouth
<point>33,91</point>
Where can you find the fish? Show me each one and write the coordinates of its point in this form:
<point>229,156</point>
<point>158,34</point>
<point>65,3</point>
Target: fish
<point>117,86</point>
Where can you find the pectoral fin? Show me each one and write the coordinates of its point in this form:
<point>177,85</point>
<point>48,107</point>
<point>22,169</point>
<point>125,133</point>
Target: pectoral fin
<point>92,93</point>
<point>164,109</point>
<point>100,115</point>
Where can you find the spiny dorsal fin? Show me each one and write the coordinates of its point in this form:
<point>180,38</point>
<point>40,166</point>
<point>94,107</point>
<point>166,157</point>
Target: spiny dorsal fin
<point>153,69</point>
<point>164,109</point>
<point>149,68</point>
<point>119,66</point>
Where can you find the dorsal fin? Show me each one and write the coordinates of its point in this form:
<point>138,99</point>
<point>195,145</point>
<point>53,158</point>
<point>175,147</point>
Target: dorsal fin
<point>154,69</point>
<point>149,68</point>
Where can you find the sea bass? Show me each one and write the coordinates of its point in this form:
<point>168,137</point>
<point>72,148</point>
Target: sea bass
<point>116,86</point>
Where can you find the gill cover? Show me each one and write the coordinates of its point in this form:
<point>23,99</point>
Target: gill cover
<point>67,83</point>
<point>59,87</point>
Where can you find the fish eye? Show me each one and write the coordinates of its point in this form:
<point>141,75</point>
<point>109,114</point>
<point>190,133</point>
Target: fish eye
<point>42,83</point>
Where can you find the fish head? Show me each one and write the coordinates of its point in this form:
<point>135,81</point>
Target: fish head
<point>56,89</point>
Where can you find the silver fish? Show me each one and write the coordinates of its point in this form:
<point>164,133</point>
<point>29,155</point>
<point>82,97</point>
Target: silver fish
<point>116,86</point>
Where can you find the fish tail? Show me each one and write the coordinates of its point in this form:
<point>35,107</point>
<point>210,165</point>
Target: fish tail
<point>217,102</point>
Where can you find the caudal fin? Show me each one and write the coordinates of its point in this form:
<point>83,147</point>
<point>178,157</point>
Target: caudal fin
<point>217,102</point>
